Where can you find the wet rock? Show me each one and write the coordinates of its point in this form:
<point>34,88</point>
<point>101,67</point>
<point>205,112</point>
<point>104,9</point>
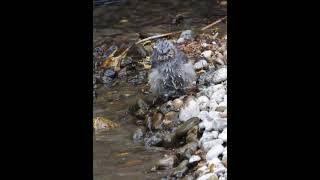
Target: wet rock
<point>133,80</point>
<point>171,116</point>
<point>192,135</point>
<point>141,51</point>
<point>209,176</point>
<point>170,120</point>
<point>223,135</point>
<point>194,158</point>
<point>189,110</point>
<point>200,64</point>
<point>205,78</point>
<point>101,123</point>
<point>177,104</point>
<point>187,150</point>
<point>142,107</point>
<point>139,134</point>
<point>154,140</point>
<point>207,54</point>
<point>126,61</point>
<point>214,152</point>
<point>167,107</point>
<point>107,81</point>
<point>219,75</point>
<point>181,169</point>
<point>207,145</point>
<point>203,102</point>
<point>169,161</point>
<point>169,140</point>
<point>186,126</point>
<point>157,121</point>
<point>110,50</point>
<point>142,104</point>
<point>110,73</point>
<point>148,122</point>
<point>142,77</point>
<point>122,74</point>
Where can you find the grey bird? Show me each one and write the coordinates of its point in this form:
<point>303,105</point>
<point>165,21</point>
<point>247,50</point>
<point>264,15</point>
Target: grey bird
<point>171,75</point>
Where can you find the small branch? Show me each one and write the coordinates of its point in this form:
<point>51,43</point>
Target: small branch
<point>214,23</point>
<point>172,33</point>
<point>157,36</point>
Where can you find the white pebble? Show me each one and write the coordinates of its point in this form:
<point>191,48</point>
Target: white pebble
<point>207,54</point>
<point>190,110</point>
<point>180,40</point>
<point>207,145</point>
<point>194,158</point>
<point>218,95</point>
<point>215,161</point>
<point>214,115</point>
<point>222,106</point>
<point>207,136</point>
<point>201,125</point>
<point>204,116</point>
<point>203,102</point>
<point>204,44</point>
<point>214,152</point>
<point>220,75</point>
<point>219,124</point>
<point>200,64</point>
<point>209,176</point>
<point>213,104</point>
<point>208,125</point>
<point>223,135</point>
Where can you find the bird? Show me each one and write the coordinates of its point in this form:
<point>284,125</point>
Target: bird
<point>171,74</point>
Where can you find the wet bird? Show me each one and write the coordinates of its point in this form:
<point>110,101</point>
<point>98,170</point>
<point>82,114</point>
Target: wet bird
<point>171,75</point>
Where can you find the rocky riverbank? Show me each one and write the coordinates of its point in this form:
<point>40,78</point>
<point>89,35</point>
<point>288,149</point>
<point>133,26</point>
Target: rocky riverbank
<point>193,126</point>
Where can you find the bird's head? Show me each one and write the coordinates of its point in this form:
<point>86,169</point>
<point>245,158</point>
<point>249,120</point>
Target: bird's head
<point>164,51</point>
